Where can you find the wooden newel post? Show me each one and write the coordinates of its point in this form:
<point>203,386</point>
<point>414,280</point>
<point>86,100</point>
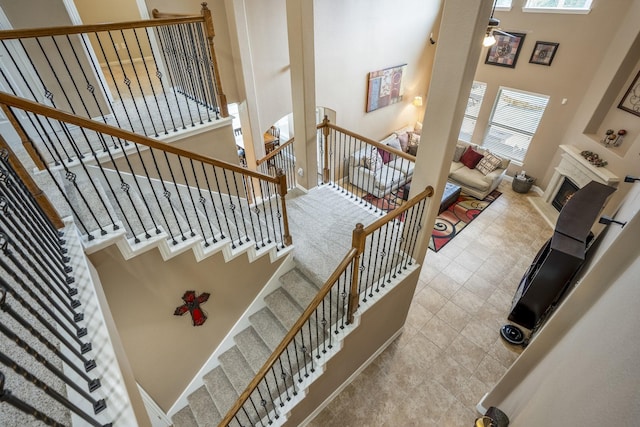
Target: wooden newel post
<point>357,242</point>
<point>325,166</point>
<point>208,26</point>
<point>282,191</point>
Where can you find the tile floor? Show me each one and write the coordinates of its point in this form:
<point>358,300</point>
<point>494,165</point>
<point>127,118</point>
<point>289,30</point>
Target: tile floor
<point>450,353</point>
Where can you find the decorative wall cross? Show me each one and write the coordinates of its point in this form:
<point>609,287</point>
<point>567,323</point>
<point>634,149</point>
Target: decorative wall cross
<point>192,305</point>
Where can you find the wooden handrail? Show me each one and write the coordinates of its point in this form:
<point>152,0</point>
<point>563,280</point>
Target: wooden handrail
<point>156,14</point>
<point>93,28</point>
<point>387,148</point>
<point>274,152</point>
<point>313,305</point>
<point>428,192</point>
<point>41,109</point>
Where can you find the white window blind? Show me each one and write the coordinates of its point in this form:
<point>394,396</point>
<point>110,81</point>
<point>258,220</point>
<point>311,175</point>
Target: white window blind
<point>471,113</point>
<point>558,5</point>
<point>503,4</point>
<point>514,120</point>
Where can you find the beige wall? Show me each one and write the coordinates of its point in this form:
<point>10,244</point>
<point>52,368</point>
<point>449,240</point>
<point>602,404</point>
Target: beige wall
<point>582,49</point>
<point>166,351</point>
<point>356,37</point>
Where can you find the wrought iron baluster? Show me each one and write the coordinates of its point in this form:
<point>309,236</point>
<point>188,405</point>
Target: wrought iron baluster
<point>175,185</point>
<point>7,361</point>
<point>146,69</point>
<point>158,74</point>
<point>239,199</point>
<point>53,348</point>
<point>198,61</point>
<point>231,206</point>
<point>193,203</point>
<point>202,201</point>
<point>162,34</point>
<point>135,73</point>
<point>187,68</point>
<point>7,396</point>
<point>173,33</point>
<point>115,84</point>
<point>208,67</point>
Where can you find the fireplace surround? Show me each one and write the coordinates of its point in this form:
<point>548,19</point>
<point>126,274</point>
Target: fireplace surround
<point>579,172</point>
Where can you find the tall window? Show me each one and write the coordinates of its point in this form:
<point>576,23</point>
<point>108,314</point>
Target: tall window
<point>503,4</point>
<point>471,113</point>
<point>558,5</point>
<point>514,120</point>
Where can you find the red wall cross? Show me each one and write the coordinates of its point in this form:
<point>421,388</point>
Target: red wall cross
<point>192,305</point>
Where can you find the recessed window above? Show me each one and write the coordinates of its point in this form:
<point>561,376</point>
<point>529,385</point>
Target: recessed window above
<point>503,4</point>
<point>471,113</point>
<point>558,6</point>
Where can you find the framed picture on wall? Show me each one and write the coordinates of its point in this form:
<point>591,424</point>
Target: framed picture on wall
<point>543,53</point>
<point>630,102</point>
<point>506,50</point>
<point>385,87</point>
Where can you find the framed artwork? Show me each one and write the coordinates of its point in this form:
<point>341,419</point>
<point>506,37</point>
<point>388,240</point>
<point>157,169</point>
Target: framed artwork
<point>630,102</point>
<point>506,50</point>
<point>543,53</point>
<point>385,87</point>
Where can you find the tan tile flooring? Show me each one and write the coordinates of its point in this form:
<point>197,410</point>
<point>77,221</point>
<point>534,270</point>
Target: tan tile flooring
<point>450,353</point>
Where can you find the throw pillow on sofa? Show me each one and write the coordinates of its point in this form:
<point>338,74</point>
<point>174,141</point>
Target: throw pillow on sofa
<point>488,164</point>
<point>459,152</point>
<point>471,158</point>
<point>386,156</point>
<point>373,161</point>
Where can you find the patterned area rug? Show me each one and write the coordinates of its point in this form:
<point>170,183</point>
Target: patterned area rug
<point>452,221</point>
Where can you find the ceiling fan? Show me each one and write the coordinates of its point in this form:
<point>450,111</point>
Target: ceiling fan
<point>489,39</point>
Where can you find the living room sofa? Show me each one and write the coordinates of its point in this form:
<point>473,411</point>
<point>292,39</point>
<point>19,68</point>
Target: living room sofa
<point>377,173</point>
<point>480,180</point>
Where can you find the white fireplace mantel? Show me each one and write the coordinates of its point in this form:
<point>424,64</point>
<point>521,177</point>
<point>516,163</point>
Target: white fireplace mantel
<point>576,168</point>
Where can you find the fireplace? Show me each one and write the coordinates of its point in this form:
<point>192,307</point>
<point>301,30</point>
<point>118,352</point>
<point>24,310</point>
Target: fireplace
<point>565,192</point>
<point>573,172</point>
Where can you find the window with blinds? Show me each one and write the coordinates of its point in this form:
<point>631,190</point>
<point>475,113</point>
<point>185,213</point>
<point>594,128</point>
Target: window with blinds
<point>471,113</point>
<point>514,120</point>
<point>557,5</point>
<point>503,4</point>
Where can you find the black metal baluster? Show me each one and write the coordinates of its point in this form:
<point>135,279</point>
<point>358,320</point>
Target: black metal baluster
<point>127,83</point>
<point>208,66</point>
<point>92,386</point>
<point>146,69</point>
<point>193,203</point>
<point>202,201</point>
<point>115,84</point>
<point>169,63</point>
<point>167,195</point>
<point>88,364</point>
<point>7,396</point>
<point>175,185</point>
<point>7,361</point>
<point>187,68</point>
<point>158,74</point>
<point>295,352</point>
<point>135,73</point>
<point>179,66</point>
<point>409,225</point>
<point>198,61</point>
<point>244,221</point>
<point>213,206</point>
<point>231,206</point>
<point>293,372</point>
<point>283,376</point>
<point>255,409</point>
<point>249,189</point>
<point>418,227</point>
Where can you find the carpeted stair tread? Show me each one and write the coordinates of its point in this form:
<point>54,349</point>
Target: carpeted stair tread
<point>129,208</point>
<point>268,327</point>
<point>253,348</point>
<point>184,418</point>
<point>299,287</point>
<point>236,368</point>
<point>221,390</point>
<point>203,409</point>
<point>96,197</point>
<point>283,307</point>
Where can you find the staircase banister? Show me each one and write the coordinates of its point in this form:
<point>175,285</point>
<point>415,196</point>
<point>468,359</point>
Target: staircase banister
<point>275,152</point>
<point>313,305</point>
<point>156,14</point>
<point>62,116</point>
<point>91,28</point>
<point>427,192</point>
<point>396,152</point>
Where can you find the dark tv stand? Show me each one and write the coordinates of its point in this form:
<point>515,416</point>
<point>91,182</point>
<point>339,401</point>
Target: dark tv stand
<point>552,271</point>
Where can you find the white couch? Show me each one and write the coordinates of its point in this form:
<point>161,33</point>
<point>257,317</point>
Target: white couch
<point>472,181</point>
<point>376,177</point>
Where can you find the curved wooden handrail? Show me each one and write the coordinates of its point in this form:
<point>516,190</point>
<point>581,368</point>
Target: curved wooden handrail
<point>93,28</point>
<point>313,305</point>
<point>274,152</point>
<point>387,148</point>
<point>24,104</point>
<point>427,192</point>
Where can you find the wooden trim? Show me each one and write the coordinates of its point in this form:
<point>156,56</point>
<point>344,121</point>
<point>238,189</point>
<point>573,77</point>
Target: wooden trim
<point>346,262</point>
<point>24,138</point>
<point>36,108</point>
<point>33,188</point>
<point>93,28</point>
<point>274,152</point>
<point>156,14</point>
